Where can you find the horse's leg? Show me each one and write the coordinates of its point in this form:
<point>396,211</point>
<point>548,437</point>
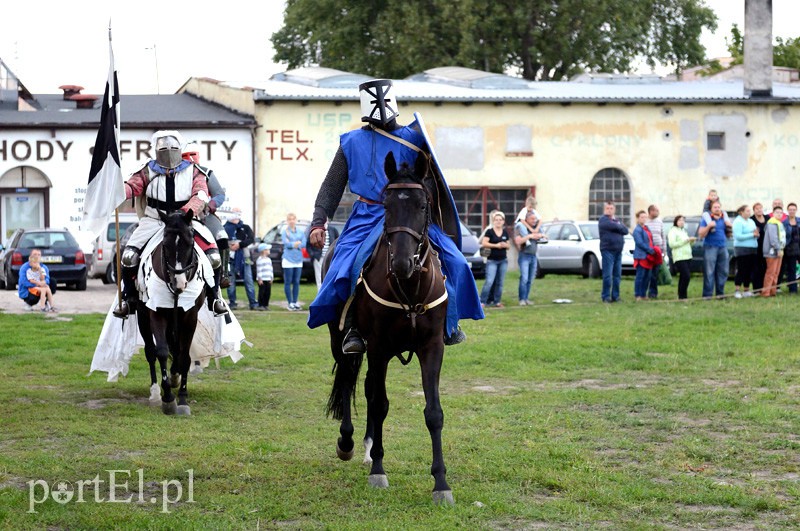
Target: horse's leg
<point>184,360</point>
<point>143,319</point>
<point>430,361</point>
<point>369,432</point>
<point>377,409</point>
<point>159,325</point>
<point>339,403</point>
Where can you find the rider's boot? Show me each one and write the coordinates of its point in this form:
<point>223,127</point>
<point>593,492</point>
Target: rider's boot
<point>353,343</point>
<point>222,245</point>
<point>458,336</point>
<point>215,303</point>
<point>127,305</point>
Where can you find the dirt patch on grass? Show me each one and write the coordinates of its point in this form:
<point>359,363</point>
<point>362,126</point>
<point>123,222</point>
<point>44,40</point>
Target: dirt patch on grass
<point>124,398</point>
<point>13,483</point>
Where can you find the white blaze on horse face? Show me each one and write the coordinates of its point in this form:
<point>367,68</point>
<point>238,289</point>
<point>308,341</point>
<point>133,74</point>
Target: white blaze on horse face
<point>402,195</point>
<point>180,279</point>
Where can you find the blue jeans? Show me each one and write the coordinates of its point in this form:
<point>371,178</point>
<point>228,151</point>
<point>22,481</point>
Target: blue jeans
<point>527,272</point>
<point>291,283</point>
<point>247,275</point>
<point>652,290</point>
<point>612,274</point>
<point>642,281</point>
<point>715,270</point>
<point>495,275</point>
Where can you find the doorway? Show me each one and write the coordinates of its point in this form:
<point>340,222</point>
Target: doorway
<point>24,198</point>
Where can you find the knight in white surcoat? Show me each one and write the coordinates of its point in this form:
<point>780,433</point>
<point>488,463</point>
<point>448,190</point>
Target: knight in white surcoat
<point>167,183</point>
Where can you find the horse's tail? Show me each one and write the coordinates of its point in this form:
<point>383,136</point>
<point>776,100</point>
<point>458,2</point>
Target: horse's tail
<point>345,372</point>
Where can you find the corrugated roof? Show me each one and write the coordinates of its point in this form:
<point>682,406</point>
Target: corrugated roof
<point>175,110</point>
<point>466,85</point>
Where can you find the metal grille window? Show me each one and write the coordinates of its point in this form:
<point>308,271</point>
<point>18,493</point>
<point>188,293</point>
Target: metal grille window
<point>715,141</point>
<point>475,204</point>
<point>610,184</point>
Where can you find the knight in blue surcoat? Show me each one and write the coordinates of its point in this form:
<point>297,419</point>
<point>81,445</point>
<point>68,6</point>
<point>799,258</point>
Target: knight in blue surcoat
<point>359,163</point>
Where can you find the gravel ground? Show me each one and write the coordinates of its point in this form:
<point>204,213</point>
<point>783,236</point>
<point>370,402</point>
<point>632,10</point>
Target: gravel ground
<point>96,299</point>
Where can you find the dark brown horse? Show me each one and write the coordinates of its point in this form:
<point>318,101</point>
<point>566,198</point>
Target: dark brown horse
<point>400,306</point>
<point>169,331</point>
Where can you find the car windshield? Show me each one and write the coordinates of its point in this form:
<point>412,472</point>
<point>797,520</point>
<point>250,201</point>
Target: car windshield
<point>590,231</point>
<point>46,240</point>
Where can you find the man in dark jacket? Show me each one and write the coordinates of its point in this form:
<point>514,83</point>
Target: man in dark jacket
<point>612,240</point>
<point>240,236</point>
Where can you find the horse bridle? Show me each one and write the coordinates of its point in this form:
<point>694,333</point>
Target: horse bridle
<point>189,270</point>
<point>420,238</point>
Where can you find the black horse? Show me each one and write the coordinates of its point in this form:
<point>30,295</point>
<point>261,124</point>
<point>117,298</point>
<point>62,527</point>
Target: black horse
<point>169,331</point>
<point>401,306</point>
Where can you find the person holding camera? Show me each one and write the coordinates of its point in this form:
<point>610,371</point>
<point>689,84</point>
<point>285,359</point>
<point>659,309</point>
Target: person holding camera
<point>526,238</point>
<point>715,251</point>
<point>496,240</point>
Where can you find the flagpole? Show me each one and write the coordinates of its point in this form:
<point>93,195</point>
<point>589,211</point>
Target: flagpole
<point>118,258</point>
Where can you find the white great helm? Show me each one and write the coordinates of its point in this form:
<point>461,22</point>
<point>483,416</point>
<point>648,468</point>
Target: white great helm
<point>378,104</point>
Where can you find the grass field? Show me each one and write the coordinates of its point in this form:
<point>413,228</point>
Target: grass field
<point>633,415</point>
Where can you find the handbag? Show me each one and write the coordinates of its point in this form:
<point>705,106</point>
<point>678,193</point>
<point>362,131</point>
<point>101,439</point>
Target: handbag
<point>664,276</point>
<point>485,252</point>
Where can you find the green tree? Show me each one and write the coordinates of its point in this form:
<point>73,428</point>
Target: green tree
<point>785,52</point>
<point>541,39</point>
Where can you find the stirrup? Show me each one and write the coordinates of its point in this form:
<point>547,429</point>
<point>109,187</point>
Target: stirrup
<point>219,308</point>
<point>353,343</point>
<point>456,337</point>
<point>124,309</point>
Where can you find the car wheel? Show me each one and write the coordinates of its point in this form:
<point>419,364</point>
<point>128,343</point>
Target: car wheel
<point>109,277</point>
<point>11,282</point>
<point>539,272</point>
<point>591,267</point>
<point>81,284</point>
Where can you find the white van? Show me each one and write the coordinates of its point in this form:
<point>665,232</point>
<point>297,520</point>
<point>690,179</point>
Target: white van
<point>105,247</point>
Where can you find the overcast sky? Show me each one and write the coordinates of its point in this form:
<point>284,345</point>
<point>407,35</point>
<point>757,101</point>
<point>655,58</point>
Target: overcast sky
<point>49,43</point>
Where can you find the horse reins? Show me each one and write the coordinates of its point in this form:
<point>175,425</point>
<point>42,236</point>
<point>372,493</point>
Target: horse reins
<point>404,301</point>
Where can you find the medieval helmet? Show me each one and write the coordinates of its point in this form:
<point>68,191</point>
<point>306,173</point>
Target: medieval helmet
<point>167,145</point>
<point>191,152</point>
<point>378,104</point>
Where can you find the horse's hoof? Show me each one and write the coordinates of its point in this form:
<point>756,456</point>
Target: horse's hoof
<point>183,410</point>
<point>344,456</point>
<point>155,395</point>
<point>168,408</point>
<point>378,481</point>
<point>443,497</point>
<point>175,380</point>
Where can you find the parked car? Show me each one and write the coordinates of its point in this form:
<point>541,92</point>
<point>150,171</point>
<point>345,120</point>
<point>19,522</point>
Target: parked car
<point>471,249</point>
<point>105,248</point>
<point>273,239</point>
<point>574,247</point>
<point>692,225</point>
<point>60,253</point>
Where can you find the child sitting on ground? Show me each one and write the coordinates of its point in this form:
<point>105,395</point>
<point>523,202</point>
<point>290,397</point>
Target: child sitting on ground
<point>40,291</point>
<point>264,276</point>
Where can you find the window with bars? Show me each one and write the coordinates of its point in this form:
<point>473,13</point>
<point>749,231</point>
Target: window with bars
<point>610,184</point>
<point>475,204</point>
